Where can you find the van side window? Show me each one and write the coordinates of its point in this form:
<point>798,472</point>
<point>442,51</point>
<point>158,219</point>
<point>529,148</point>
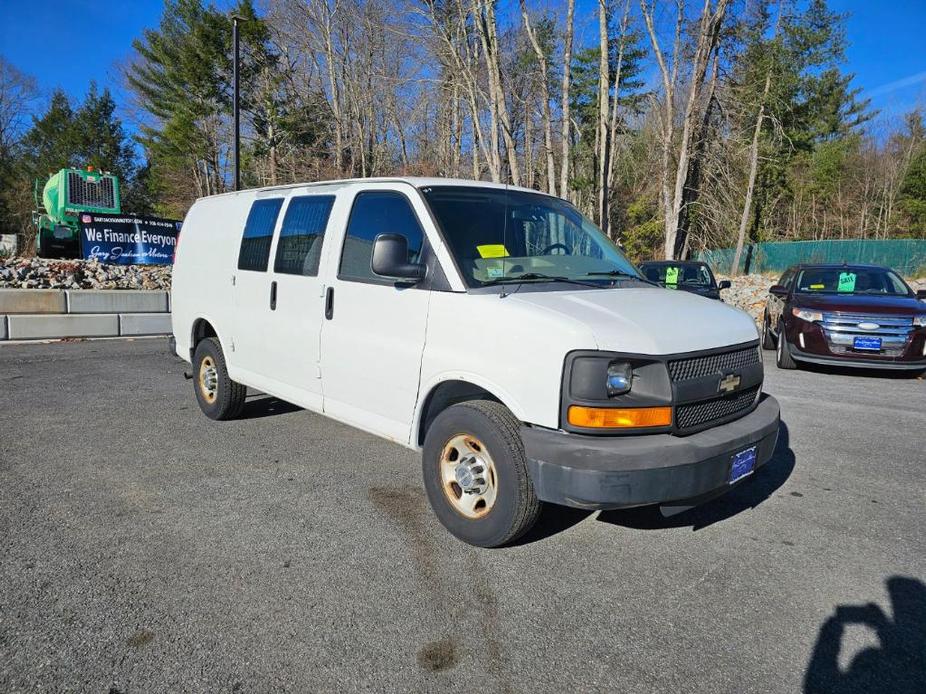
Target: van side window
<point>377,212</point>
<point>300,244</point>
<point>258,234</point>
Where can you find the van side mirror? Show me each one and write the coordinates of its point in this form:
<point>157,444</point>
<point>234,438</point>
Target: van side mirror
<point>778,290</point>
<point>921,294</point>
<point>390,259</point>
<point>724,284</point>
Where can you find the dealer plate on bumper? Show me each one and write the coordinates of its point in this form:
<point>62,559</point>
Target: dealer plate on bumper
<point>744,463</point>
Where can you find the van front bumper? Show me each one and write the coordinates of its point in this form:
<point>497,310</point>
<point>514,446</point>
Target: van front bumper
<point>604,472</point>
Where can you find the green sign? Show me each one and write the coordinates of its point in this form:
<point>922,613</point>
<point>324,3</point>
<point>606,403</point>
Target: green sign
<point>671,275</point>
<point>846,282</point>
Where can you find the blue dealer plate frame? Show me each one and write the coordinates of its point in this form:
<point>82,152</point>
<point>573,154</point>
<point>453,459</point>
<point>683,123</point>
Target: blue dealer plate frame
<point>744,463</point>
<point>870,343</point>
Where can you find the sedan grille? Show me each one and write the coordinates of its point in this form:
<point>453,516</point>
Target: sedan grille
<point>700,413</point>
<point>841,329</point>
<point>716,363</point>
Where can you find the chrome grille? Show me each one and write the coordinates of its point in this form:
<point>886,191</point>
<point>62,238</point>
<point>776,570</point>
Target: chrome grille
<point>696,414</point>
<point>841,329</point>
<point>716,363</point>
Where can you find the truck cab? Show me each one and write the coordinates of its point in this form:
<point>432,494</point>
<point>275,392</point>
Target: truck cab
<point>492,328</point>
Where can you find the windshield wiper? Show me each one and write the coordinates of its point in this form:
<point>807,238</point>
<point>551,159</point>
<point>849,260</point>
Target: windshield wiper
<point>621,273</point>
<point>530,276</point>
<point>613,273</point>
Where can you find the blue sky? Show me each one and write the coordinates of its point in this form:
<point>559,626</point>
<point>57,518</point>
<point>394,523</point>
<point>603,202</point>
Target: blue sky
<point>68,43</point>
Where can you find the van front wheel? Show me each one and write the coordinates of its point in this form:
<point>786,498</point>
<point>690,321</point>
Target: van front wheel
<point>475,474</point>
<point>218,396</point>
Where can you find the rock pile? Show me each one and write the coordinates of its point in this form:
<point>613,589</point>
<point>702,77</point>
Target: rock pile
<point>748,293</point>
<point>38,273</point>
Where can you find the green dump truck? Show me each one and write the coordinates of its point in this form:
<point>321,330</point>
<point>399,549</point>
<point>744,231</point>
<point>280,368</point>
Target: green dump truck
<point>65,195</point>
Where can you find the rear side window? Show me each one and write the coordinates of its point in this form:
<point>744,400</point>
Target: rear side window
<point>258,234</point>
<point>375,213</point>
<point>301,236</point>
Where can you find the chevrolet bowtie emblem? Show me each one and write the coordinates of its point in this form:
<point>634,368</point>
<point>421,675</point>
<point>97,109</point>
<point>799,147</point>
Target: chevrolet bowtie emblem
<point>729,383</point>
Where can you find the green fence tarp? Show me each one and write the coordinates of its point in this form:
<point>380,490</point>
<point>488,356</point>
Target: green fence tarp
<point>907,256</point>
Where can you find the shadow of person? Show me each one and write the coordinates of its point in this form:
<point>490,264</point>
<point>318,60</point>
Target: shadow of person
<point>897,665</point>
<point>744,496</point>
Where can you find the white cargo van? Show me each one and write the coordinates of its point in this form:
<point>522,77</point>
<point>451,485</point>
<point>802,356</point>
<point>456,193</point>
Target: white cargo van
<point>493,328</point>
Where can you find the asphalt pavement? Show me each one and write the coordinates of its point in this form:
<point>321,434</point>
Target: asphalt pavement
<point>145,548</point>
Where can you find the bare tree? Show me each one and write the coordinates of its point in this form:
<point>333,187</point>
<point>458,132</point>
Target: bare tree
<point>604,85</point>
<point>544,100</point>
<point>567,80</point>
<point>488,33</point>
<point>706,43</point>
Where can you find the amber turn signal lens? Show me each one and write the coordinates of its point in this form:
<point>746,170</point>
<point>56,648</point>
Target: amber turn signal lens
<point>619,417</point>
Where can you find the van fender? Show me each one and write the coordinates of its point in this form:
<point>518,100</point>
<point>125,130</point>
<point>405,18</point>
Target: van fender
<point>220,334</point>
<point>424,393</point>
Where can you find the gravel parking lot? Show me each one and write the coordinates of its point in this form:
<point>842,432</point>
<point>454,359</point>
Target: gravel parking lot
<point>146,548</point>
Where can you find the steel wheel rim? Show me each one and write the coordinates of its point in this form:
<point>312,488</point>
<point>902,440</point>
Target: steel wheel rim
<point>468,476</point>
<point>208,379</point>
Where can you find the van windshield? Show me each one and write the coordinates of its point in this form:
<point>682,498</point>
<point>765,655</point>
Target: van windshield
<point>498,236</point>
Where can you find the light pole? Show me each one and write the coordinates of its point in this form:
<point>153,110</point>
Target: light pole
<point>237,148</point>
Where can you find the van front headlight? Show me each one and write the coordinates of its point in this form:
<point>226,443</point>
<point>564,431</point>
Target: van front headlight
<point>620,378</point>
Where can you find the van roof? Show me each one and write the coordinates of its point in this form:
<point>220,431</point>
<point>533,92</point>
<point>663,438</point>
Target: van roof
<point>416,181</point>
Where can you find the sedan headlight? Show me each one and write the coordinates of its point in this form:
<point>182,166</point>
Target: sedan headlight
<point>620,378</point>
<point>920,320</point>
<point>804,314</point>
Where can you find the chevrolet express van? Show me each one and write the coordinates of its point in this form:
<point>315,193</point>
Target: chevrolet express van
<point>494,329</point>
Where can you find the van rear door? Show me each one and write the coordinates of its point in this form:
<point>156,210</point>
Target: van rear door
<point>374,333</point>
<point>252,291</point>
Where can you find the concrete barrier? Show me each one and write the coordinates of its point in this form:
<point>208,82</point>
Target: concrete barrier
<point>144,323</point>
<point>50,314</point>
<point>39,327</point>
<point>116,301</point>
<point>32,301</point>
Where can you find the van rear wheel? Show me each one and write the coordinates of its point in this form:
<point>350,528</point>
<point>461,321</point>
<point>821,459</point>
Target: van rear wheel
<point>218,396</point>
<point>475,474</point>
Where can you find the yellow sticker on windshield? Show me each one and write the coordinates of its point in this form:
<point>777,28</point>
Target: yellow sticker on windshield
<point>671,275</point>
<point>492,250</point>
<point>846,282</point>
<point>818,286</point>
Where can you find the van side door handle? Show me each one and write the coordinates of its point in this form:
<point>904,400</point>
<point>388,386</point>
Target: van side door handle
<point>273,296</point>
<point>329,303</point>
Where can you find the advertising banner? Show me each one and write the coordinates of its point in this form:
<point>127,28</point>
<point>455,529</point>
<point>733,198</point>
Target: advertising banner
<point>128,240</point>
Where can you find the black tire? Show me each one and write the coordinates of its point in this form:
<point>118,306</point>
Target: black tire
<point>783,354</point>
<point>515,508</point>
<point>226,399</point>
<point>768,340</point>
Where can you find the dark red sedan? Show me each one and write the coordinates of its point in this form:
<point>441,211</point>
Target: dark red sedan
<point>846,315</point>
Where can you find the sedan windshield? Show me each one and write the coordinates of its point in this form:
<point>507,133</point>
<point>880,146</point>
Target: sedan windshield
<point>851,280</point>
<point>498,236</point>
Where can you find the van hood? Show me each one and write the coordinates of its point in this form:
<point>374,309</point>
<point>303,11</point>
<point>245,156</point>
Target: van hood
<point>648,320</point>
